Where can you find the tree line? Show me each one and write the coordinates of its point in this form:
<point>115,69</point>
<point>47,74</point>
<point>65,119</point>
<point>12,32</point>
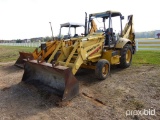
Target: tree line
<point>148,34</point>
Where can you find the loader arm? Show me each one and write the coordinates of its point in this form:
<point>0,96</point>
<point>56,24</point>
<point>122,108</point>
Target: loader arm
<point>88,48</point>
<point>49,50</point>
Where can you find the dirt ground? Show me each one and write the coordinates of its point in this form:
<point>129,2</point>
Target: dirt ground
<point>125,90</point>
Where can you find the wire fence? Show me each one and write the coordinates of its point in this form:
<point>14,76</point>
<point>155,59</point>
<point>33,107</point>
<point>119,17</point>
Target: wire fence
<point>22,44</point>
<point>147,44</point>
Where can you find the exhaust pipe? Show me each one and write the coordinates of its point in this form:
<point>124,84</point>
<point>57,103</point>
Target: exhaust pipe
<point>85,31</point>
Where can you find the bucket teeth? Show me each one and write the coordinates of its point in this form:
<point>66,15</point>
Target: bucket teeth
<point>58,80</point>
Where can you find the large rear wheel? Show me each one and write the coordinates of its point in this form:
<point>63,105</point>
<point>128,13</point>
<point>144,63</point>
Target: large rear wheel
<point>126,56</point>
<point>102,69</point>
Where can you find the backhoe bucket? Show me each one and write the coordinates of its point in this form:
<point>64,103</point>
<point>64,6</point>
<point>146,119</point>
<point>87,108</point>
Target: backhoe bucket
<point>58,80</point>
<point>23,55</point>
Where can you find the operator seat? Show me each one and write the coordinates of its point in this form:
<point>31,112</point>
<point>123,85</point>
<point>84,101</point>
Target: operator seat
<point>108,35</point>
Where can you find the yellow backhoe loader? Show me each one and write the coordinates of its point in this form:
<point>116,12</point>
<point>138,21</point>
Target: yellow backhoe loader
<point>47,48</point>
<point>100,49</point>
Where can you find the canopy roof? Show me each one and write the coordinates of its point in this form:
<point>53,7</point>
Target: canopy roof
<point>106,14</point>
<point>72,24</point>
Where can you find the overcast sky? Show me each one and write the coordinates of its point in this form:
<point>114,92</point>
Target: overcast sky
<point>22,19</point>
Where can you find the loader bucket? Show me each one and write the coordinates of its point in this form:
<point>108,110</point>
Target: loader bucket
<point>58,80</point>
<point>23,55</point>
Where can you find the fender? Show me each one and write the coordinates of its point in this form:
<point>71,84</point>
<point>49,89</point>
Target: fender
<point>121,42</point>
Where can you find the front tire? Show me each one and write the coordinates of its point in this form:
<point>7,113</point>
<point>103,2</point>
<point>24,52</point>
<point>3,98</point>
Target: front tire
<point>126,56</point>
<point>102,69</point>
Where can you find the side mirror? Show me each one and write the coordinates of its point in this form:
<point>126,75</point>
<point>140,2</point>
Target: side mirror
<point>122,17</point>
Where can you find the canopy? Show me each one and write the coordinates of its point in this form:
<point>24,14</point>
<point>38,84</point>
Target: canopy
<point>72,24</point>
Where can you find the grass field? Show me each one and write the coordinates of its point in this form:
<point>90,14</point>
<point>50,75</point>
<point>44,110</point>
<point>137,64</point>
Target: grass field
<point>147,38</point>
<point>9,53</point>
<point>146,57</point>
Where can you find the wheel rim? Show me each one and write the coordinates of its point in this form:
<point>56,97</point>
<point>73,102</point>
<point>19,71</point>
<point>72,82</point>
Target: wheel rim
<point>105,69</point>
<point>128,56</point>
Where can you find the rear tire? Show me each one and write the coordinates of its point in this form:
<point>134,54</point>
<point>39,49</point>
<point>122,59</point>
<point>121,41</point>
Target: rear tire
<point>126,56</point>
<point>102,69</point>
